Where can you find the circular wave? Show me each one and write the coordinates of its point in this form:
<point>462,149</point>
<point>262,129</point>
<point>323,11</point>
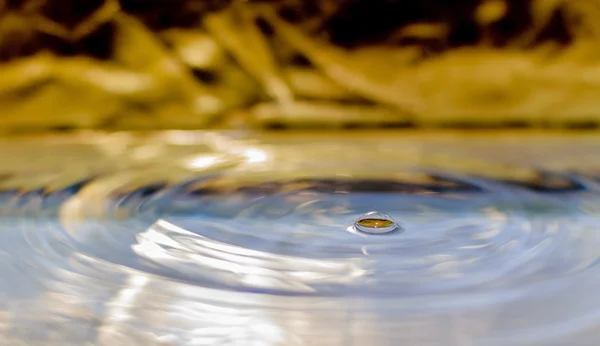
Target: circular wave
<point>254,249</point>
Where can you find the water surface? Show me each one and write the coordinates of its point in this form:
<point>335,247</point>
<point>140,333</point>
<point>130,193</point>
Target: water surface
<point>209,239</point>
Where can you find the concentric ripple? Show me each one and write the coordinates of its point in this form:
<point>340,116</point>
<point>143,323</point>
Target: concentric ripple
<point>253,249</point>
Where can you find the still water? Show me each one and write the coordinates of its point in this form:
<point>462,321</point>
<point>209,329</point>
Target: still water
<point>212,239</point>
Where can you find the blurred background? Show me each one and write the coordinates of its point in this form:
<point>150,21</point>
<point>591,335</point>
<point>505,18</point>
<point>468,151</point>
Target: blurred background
<point>196,64</point>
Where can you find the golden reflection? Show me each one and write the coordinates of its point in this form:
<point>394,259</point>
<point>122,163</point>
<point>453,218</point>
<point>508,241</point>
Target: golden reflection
<point>375,223</point>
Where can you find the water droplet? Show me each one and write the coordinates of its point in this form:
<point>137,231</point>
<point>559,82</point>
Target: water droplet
<point>375,222</point>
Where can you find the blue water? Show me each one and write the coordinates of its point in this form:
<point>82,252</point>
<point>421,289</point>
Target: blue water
<point>267,255</point>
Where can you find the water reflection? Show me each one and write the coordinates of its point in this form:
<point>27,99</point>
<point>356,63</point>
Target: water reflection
<point>248,245</point>
<point>375,222</point>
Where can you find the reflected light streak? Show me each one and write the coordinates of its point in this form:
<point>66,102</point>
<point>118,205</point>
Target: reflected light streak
<point>203,161</point>
<point>255,155</point>
<point>194,255</point>
<point>118,309</point>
